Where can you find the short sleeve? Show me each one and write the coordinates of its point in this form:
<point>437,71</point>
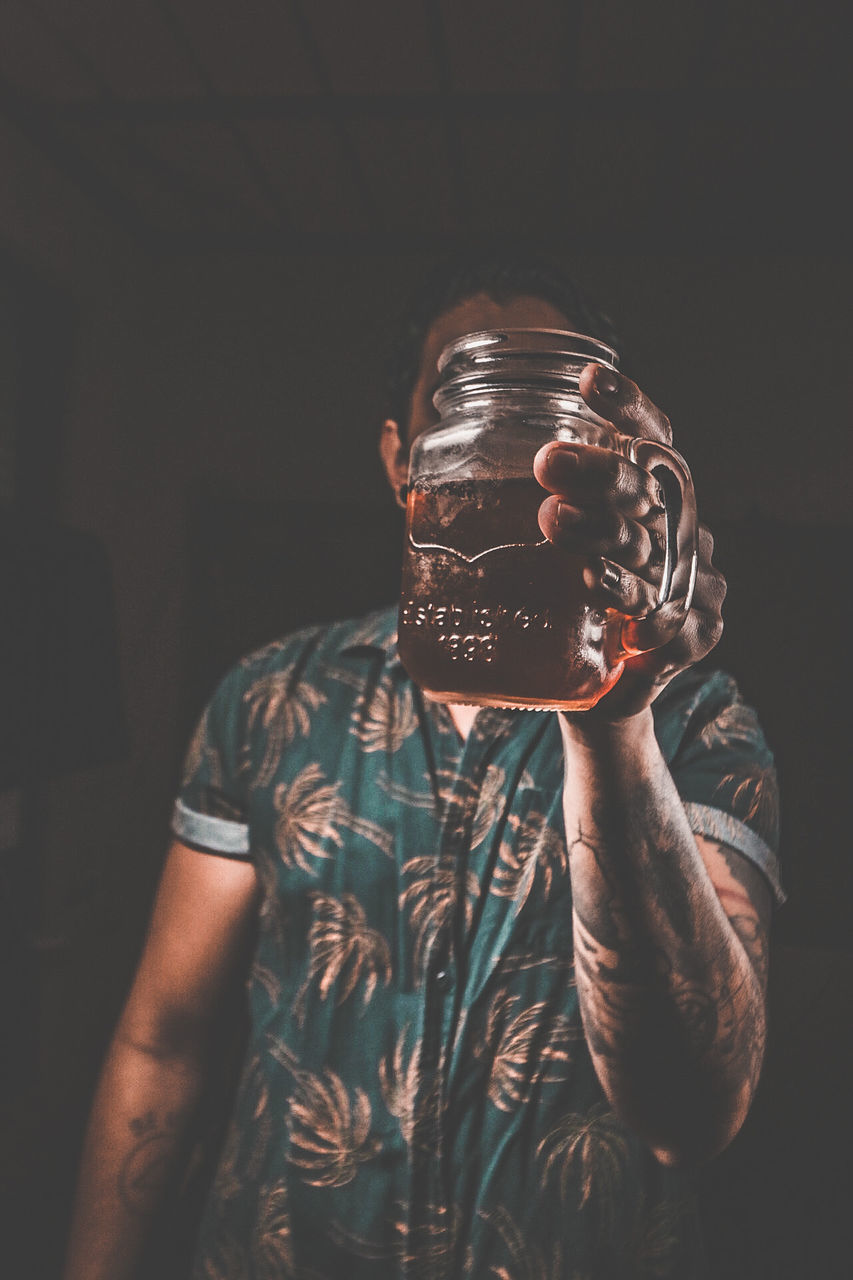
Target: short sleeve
<point>725,772</point>
<point>210,812</point>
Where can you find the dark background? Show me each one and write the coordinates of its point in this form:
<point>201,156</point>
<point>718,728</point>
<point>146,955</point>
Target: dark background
<point>208,213</point>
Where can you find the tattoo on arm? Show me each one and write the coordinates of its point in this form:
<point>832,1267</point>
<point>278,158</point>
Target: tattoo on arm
<point>752,927</point>
<point>645,943</point>
<point>754,939</point>
<point>147,1166</point>
<point>697,1012</point>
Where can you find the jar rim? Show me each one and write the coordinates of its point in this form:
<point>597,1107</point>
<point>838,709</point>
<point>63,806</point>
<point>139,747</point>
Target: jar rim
<point>487,347</point>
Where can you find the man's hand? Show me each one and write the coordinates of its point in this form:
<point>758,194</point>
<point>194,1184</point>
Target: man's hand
<point>608,510</point>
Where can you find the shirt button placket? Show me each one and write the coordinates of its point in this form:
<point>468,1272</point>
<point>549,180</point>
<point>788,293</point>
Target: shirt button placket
<point>440,1011</point>
<point>442,1002</point>
<point>430,1210</point>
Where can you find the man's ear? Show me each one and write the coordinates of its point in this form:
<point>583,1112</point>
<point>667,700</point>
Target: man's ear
<point>394,455</point>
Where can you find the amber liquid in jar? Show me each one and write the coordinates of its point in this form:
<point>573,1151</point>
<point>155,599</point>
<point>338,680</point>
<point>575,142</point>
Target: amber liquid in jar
<point>491,612</point>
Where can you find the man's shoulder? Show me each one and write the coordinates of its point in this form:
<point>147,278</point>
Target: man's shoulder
<point>691,699</point>
<point>318,644</point>
<point>315,669</point>
<point>702,708</point>
<point>695,687</point>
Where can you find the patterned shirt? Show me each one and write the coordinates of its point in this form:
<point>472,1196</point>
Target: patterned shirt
<point>417,1097</point>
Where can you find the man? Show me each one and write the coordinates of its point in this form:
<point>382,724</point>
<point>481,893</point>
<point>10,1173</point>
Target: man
<point>508,987</point>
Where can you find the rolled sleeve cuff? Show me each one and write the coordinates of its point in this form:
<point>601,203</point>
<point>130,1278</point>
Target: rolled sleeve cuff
<point>718,825</point>
<point>213,835</point>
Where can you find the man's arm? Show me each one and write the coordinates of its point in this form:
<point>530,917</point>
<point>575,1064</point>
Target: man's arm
<point>670,933</point>
<point>155,1069</point>
<point>670,945</point>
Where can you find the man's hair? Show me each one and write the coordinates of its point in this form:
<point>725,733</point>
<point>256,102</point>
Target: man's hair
<point>502,277</point>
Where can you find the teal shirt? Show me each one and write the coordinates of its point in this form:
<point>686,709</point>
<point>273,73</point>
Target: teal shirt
<point>417,1097</point>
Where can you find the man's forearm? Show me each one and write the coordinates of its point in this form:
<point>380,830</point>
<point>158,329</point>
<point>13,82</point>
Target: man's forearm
<point>134,1151</point>
<point>672,1008</point>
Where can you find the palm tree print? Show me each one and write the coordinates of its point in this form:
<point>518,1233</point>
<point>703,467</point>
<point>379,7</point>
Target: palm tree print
<point>525,1262</point>
<point>735,723</point>
<point>272,649</point>
<point>446,783</point>
<point>399,1080</point>
<point>425,1250</point>
<point>284,709</point>
<point>470,795</point>
<point>329,1129</point>
<point>480,806</point>
<point>273,1248</point>
<point>521,961</point>
<point>343,948</point>
<point>272,912</point>
<point>391,718</point>
<point>226,1260</point>
<point>412,1103</point>
<point>266,978</point>
<point>365,828</point>
<point>429,1248</point>
<point>370,631</point>
<point>433,896</point>
<point>200,752</point>
<point>656,1239</point>
<point>523,1053</point>
<point>590,1149</point>
<point>306,815</point>
<point>489,803</point>
<point>755,797</point>
<point>536,845</point>
<point>404,795</point>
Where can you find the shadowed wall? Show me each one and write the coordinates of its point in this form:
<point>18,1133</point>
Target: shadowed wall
<point>212,409</point>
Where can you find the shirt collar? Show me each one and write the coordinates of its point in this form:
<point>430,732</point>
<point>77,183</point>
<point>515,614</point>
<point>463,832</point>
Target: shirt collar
<point>375,633</point>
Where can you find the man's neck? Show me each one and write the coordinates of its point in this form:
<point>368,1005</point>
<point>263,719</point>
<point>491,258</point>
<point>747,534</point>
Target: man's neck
<point>462,716</point>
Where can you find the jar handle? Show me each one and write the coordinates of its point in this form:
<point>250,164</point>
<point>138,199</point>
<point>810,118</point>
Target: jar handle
<point>675,595</point>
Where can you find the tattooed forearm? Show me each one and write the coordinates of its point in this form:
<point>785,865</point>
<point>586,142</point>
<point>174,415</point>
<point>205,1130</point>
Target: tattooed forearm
<point>696,1010</point>
<point>751,924</point>
<point>670,964</point>
<point>148,1164</point>
<point>754,938</point>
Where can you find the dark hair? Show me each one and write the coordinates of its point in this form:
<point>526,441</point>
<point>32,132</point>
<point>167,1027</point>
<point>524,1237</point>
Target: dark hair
<point>502,276</point>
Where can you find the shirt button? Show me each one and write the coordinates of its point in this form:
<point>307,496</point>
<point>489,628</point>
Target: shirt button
<point>443,980</point>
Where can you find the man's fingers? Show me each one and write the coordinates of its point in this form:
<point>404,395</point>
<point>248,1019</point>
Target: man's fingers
<point>612,587</point>
<point>614,397</point>
<point>587,475</point>
<point>710,591</point>
<point>697,635</point>
<point>602,531</point>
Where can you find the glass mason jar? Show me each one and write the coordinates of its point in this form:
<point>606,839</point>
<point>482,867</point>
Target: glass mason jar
<point>491,612</point>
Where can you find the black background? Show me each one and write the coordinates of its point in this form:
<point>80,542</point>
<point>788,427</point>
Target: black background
<point>193,318</point>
